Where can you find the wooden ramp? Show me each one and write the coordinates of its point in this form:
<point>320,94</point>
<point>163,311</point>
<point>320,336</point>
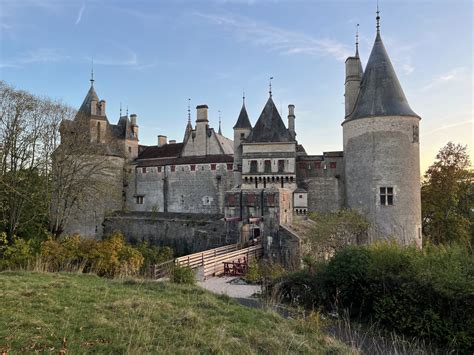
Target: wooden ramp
<point>211,262</point>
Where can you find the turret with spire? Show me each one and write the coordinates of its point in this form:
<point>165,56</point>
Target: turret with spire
<point>354,75</point>
<point>242,129</point>
<point>189,126</point>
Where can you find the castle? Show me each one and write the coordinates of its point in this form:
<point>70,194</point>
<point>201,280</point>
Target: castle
<point>261,179</point>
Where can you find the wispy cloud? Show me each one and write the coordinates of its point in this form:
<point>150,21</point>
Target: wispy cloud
<point>408,69</point>
<point>447,127</point>
<point>43,55</point>
<point>450,76</point>
<point>81,11</point>
<point>278,39</point>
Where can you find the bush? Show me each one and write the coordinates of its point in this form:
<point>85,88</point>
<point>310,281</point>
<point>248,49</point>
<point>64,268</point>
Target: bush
<point>425,293</point>
<point>183,275</point>
<point>15,255</point>
<point>153,255</point>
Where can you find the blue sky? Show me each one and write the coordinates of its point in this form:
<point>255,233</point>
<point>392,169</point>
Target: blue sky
<point>154,55</point>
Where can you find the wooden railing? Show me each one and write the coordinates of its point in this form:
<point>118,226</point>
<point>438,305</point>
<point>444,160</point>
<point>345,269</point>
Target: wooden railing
<point>214,266</point>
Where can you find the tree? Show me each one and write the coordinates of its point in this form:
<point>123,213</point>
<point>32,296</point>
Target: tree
<point>447,197</point>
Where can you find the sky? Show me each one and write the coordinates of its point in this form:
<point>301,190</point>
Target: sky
<point>151,56</point>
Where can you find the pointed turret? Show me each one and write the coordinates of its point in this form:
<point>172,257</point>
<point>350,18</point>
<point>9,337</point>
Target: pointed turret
<point>380,92</point>
<point>354,74</point>
<point>189,126</point>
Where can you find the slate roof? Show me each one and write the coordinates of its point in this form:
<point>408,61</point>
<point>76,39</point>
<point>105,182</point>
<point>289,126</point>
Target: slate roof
<point>381,93</point>
<point>86,104</point>
<point>243,120</point>
<point>165,151</point>
<point>269,127</point>
<point>207,159</point>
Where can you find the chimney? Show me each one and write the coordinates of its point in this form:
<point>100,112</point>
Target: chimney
<point>162,140</point>
<point>102,107</point>
<point>172,141</point>
<point>202,113</point>
<point>291,121</point>
<point>93,107</point>
<point>133,119</point>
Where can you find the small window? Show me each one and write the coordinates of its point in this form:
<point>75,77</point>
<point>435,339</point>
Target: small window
<point>129,149</point>
<point>193,167</point>
<point>281,166</point>
<point>213,166</point>
<point>301,196</point>
<point>253,166</point>
<point>332,165</point>
<point>386,196</point>
<point>268,166</point>
<point>144,170</point>
<point>229,166</point>
<point>242,135</point>
<point>159,169</point>
<point>139,200</point>
<point>173,168</point>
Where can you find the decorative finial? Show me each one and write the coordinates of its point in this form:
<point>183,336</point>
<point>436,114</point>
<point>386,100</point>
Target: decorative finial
<point>127,110</point>
<point>120,108</point>
<point>378,17</point>
<point>243,97</point>
<point>220,131</point>
<point>357,41</point>
<point>270,86</point>
<point>189,110</point>
<point>92,72</point>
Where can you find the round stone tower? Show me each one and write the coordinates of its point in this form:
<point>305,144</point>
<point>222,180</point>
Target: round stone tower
<point>382,153</point>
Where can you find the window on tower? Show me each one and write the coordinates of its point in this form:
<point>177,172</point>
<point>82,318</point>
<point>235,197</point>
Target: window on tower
<point>253,166</point>
<point>386,196</point>
<point>268,166</point>
<point>281,166</point>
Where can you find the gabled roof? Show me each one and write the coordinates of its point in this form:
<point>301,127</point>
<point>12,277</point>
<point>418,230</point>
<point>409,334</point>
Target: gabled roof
<point>380,93</point>
<point>86,104</point>
<point>243,120</point>
<point>269,127</point>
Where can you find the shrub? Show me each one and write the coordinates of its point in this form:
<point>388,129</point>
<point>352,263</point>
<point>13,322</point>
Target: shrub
<point>183,275</point>
<point>425,293</point>
<point>14,255</point>
<point>153,254</point>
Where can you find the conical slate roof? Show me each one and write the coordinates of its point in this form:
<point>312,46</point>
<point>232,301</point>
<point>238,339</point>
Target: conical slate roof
<point>269,127</point>
<point>243,120</point>
<point>86,105</point>
<point>380,93</point>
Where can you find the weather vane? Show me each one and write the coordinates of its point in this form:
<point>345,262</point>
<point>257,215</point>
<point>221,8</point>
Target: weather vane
<point>270,86</point>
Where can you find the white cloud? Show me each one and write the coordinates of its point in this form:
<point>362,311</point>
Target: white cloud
<point>278,39</point>
<point>43,55</point>
<point>453,75</point>
<point>81,11</point>
<point>447,127</point>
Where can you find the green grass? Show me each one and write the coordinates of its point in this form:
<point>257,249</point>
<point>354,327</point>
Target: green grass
<point>85,313</point>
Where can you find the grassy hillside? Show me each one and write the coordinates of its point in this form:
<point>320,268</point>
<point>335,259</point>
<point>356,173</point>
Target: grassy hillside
<point>84,313</point>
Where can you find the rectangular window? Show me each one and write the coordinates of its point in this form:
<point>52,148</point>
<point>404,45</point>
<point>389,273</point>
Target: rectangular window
<point>281,166</point>
<point>230,166</point>
<point>386,196</point>
<point>144,170</point>
<point>193,167</point>
<point>332,165</point>
<point>129,149</point>
<point>213,166</point>
<point>159,169</point>
<point>139,200</point>
<point>253,166</point>
<point>173,168</point>
<point>268,166</point>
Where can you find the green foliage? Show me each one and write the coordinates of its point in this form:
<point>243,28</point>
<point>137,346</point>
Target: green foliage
<point>263,271</point>
<point>447,197</point>
<point>336,230</point>
<point>183,275</point>
<point>425,293</point>
<point>17,254</point>
<point>110,257</point>
<point>153,254</point>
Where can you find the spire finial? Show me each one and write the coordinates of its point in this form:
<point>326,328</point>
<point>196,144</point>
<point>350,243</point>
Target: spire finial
<point>270,86</point>
<point>243,97</point>
<point>127,110</point>
<point>92,72</point>
<point>220,131</point>
<point>357,41</point>
<point>120,108</point>
<point>378,17</point>
<point>189,110</point>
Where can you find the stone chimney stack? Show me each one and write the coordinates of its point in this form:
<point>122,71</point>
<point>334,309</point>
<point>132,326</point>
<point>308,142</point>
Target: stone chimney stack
<point>172,141</point>
<point>202,113</point>
<point>94,107</point>
<point>102,107</point>
<point>162,140</point>
<point>133,121</point>
<point>352,85</point>
<point>291,120</point>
